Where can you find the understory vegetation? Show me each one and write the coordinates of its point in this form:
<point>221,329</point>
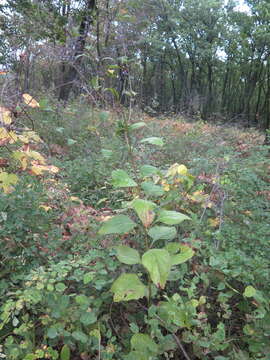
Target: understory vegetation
<point>134,179</point>
<point>133,237</point>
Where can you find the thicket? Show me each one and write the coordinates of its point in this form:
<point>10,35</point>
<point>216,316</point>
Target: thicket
<point>150,242</point>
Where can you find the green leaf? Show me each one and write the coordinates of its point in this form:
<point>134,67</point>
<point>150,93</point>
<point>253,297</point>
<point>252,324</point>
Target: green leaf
<point>60,287</point>
<point>171,217</point>
<point>185,254</point>
<point>173,247</point>
<point>137,355</point>
<point>104,115</point>
<point>95,333</point>
<point>82,300</point>
<point>250,291</point>
<point>88,277</point>
<point>119,224</point>
<point>80,336</point>
<point>121,179</point>
<point>52,333</point>
<point>144,210</point>
<point>162,232</point>
<point>137,125</point>
<point>148,170</point>
<point>127,255</point>
<point>29,357</point>
<point>71,142</point>
<point>88,318</point>
<point>143,342</point>
<point>158,264</point>
<point>151,189</point>
<point>128,287</point>
<point>106,153</point>
<point>65,353</point>
<point>60,130</point>
<point>153,140</point>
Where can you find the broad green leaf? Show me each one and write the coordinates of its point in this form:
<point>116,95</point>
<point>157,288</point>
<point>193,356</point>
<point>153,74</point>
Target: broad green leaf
<point>137,125</point>
<point>171,312</point>
<point>152,189</point>
<point>82,300</point>
<point>144,210</point>
<point>171,217</point>
<point>52,333</point>
<point>80,336</point>
<point>127,255</point>
<point>162,232</point>
<point>148,170</point>
<point>144,342</point>
<point>185,254</point>
<point>121,179</point>
<point>158,264</point>
<point>153,140</point>
<point>27,357</point>
<point>60,287</point>
<point>88,318</point>
<point>173,247</point>
<point>250,291</point>
<point>137,355</point>
<point>65,353</point>
<point>128,287</point>
<point>119,224</point>
<point>88,277</point>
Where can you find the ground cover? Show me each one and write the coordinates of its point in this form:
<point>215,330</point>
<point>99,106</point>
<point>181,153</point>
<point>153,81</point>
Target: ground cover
<point>151,241</point>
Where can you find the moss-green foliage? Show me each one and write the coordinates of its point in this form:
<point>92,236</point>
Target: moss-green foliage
<point>64,292</point>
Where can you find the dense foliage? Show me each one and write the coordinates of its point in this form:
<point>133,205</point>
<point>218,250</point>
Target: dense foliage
<point>131,228</point>
<point>204,58</point>
<point>137,259</point>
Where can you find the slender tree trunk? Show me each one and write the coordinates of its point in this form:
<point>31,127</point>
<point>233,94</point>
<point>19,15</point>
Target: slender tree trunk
<point>267,107</point>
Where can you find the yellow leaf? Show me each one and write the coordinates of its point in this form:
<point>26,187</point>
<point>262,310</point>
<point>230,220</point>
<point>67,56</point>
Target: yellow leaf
<point>177,169</point>
<point>214,222</point>
<point>7,180</point>
<point>172,171</point>
<point>36,156</point>
<point>110,71</point>
<point>209,205</point>
<point>20,156</point>
<point>53,169</point>
<point>5,115</point>
<point>38,169</point>
<point>30,101</point>
<point>45,207</point>
<point>166,187</point>
<point>182,170</point>
<point>7,137</point>
<point>76,199</point>
<point>13,137</point>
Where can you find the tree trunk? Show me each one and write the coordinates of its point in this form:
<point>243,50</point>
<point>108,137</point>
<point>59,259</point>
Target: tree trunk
<point>69,70</point>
